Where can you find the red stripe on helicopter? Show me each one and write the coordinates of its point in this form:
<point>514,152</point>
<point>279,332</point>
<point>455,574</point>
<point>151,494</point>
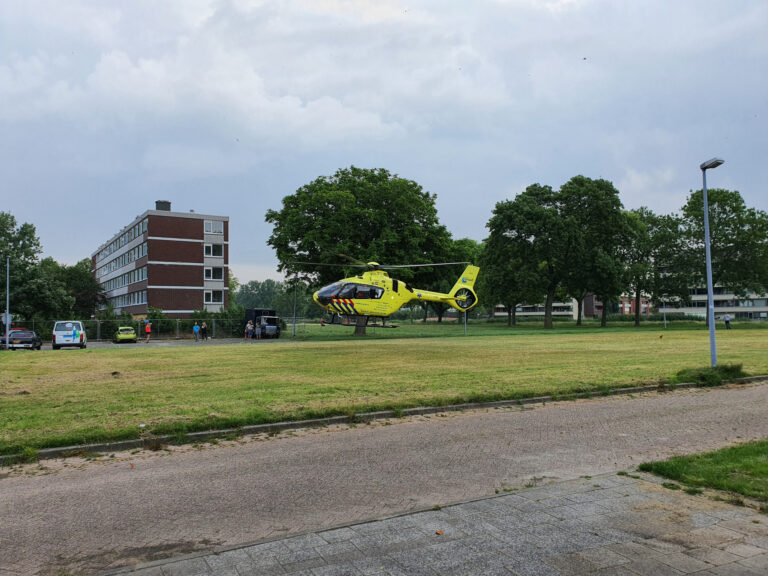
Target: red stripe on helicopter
<point>344,306</point>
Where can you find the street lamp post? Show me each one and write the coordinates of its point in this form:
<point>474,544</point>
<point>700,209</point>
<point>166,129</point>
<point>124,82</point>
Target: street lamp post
<point>713,163</point>
<point>7,318</point>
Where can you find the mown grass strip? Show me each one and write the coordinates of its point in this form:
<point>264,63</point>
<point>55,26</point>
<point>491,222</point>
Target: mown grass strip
<point>741,469</point>
<point>63,398</point>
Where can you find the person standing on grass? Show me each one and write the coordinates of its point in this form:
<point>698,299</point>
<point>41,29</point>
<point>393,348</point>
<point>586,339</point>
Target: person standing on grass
<point>248,331</point>
<point>204,331</point>
<point>196,330</point>
<point>147,330</point>
<point>727,319</point>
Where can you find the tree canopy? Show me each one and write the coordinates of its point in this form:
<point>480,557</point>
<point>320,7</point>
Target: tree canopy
<point>368,214</point>
<point>533,230</point>
<point>594,213</point>
<point>44,289</point>
<point>738,238</point>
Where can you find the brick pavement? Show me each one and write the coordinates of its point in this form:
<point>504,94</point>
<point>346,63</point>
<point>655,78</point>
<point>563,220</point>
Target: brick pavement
<point>611,524</point>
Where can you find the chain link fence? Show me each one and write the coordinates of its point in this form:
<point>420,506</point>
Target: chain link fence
<point>162,328</point>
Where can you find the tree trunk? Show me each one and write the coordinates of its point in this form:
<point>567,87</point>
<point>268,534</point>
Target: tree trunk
<point>637,308</point>
<point>548,308</point>
<point>580,312</point>
<point>440,311</point>
<point>509,316</point>
<point>514,315</point>
<point>604,315</point>
<point>360,325</point>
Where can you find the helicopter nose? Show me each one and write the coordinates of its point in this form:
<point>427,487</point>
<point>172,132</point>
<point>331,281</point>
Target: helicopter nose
<point>314,297</point>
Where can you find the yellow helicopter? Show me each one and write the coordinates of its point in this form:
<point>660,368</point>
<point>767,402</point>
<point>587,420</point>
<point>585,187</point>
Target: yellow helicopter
<point>374,293</point>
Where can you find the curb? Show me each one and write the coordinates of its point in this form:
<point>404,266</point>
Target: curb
<point>275,427</point>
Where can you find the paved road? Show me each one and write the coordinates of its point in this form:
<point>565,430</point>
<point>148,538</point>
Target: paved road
<point>86,516</point>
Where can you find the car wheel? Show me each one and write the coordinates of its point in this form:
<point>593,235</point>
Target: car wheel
<point>82,346</point>
<point>55,347</point>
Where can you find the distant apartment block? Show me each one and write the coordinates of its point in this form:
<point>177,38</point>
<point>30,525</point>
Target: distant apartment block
<point>567,309</point>
<point>177,262</point>
<point>750,307</point>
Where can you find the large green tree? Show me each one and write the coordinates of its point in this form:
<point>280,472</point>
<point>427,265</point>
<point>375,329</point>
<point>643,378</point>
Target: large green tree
<point>82,287</point>
<point>505,279</point>
<point>593,212</point>
<point>20,244</point>
<point>537,233</point>
<point>44,289</point>
<point>43,293</point>
<point>738,238</point>
<point>655,258</point>
<point>369,214</point>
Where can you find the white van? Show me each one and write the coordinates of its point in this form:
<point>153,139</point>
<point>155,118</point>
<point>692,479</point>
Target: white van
<point>68,333</point>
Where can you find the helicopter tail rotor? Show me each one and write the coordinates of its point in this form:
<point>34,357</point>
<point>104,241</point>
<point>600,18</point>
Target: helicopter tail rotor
<point>463,296</point>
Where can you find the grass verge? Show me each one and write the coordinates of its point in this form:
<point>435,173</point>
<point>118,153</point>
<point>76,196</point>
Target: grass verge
<point>741,469</point>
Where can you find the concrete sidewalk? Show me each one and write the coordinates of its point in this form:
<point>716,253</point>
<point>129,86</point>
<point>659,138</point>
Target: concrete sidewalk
<point>610,524</point>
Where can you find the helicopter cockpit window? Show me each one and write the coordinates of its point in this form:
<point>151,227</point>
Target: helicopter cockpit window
<point>360,291</point>
<point>371,292</point>
<point>325,294</point>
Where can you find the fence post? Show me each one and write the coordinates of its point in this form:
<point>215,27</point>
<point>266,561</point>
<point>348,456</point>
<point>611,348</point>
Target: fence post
<point>214,329</point>
<point>178,323</point>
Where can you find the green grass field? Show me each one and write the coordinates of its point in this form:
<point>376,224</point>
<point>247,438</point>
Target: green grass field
<point>741,469</point>
<point>70,397</point>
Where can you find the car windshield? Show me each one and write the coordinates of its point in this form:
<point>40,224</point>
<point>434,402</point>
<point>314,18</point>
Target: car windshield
<point>126,330</point>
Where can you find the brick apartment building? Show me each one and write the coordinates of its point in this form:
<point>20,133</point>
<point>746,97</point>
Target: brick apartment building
<point>177,262</point>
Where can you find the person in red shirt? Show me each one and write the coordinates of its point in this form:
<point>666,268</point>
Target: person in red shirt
<point>148,330</point>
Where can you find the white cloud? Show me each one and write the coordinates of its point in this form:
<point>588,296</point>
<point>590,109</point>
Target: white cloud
<point>250,99</point>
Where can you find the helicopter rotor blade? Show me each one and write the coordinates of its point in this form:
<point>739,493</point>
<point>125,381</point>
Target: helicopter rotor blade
<point>331,265</point>
<point>353,260</point>
<point>422,265</point>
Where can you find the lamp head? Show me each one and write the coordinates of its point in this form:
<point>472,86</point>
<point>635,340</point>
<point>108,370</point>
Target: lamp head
<point>713,163</point>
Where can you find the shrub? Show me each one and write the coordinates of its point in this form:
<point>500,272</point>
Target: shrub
<point>710,376</point>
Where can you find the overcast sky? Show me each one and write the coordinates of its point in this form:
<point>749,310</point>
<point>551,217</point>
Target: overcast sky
<point>226,106</point>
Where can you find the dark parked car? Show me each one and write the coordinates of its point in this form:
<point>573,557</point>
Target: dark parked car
<point>22,339</point>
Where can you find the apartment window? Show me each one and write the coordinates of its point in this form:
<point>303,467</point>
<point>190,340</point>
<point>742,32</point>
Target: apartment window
<point>214,227</point>
<point>214,249</point>
<point>214,297</point>
<point>214,273</point>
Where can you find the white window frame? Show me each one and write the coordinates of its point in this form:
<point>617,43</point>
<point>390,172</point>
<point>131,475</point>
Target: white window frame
<point>214,226</point>
<point>208,250</point>
<point>208,272</point>
<point>208,297</point>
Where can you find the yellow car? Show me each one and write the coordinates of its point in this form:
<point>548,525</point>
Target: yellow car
<point>124,334</point>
